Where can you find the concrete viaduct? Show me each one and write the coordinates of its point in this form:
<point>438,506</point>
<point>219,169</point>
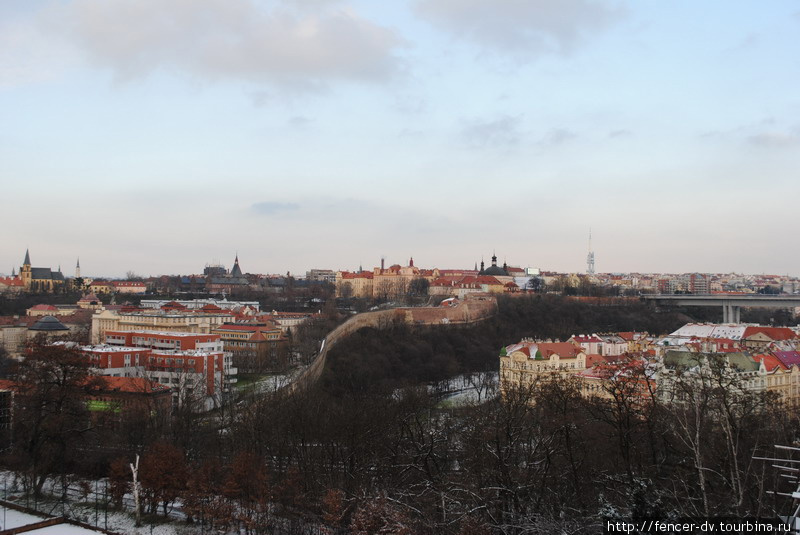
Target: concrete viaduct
<point>731,304</point>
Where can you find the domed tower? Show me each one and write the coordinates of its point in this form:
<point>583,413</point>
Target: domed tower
<point>494,269</point>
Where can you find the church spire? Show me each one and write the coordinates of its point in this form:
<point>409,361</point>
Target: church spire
<point>27,261</point>
<point>236,271</point>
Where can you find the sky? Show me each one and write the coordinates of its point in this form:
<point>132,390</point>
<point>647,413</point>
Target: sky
<point>158,136</point>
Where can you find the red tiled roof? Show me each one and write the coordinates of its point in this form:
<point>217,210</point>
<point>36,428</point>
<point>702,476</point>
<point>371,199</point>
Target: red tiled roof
<point>11,281</point>
<point>771,362</point>
<point>362,275</point>
<point>584,339</point>
<point>627,336</point>
<point>487,279</point>
<point>774,333</point>
<point>136,385</point>
<point>43,307</point>
<point>593,359</point>
<point>562,349</point>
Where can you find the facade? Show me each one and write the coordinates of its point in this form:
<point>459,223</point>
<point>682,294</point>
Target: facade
<point>102,287</point>
<point>254,347</point>
<point>321,275</point>
<point>11,285</point>
<point>179,321</point>
<point>130,287</point>
<point>359,284</point>
<point>194,366</point>
<point>90,302</point>
<point>681,373</point>
<point>528,361</point>
<point>287,320</point>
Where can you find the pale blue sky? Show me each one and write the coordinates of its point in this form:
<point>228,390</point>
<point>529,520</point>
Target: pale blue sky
<point>158,135</point>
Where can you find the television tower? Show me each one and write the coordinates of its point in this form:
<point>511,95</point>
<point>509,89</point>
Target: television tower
<point>590,256</point>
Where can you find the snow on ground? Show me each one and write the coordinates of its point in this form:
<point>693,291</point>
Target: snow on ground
<point>470,389</point>
<point>84,508</point>
<point>11,518</point>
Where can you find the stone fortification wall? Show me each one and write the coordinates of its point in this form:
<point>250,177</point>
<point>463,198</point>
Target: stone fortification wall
<point>468,311</point>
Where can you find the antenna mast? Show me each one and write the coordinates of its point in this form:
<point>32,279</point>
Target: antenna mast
<point>590,256</point>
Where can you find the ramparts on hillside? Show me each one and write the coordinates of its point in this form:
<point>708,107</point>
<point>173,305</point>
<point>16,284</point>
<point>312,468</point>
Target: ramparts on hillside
<point>470,310</point>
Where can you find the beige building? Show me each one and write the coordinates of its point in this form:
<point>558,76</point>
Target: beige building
<point>51,310</point>
<point>354,284</point>
<point>524,363</point>
<point>13,338</point>
<point>188,322</point>
<point>382,283</point>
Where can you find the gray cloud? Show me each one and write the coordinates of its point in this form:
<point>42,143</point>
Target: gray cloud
<point>556,137</point>
<point>272,208</point>
<point>620,133</point>
<point>292,42</point>
<point>522,27</point>
<point>775,139</point>
<point>27,55</point>
<point>300,121</point>
<point>502,132</point>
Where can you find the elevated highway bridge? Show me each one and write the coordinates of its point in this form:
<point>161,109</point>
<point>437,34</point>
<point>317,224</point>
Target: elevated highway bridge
<point>731,304</point>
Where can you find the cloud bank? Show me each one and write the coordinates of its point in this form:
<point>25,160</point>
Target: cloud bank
<point>297,42</point>
<point>526,28</point>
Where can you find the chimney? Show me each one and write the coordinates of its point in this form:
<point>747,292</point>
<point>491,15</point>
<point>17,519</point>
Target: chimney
<point>383,261</point>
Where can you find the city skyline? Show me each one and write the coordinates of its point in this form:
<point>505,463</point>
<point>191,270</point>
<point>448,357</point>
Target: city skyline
<point>158,136</point>
<point>70,272</point>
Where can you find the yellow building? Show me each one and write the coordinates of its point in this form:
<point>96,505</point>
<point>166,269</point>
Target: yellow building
<point>526,362</point>
<point>782,375</point>
<point>354,284</point>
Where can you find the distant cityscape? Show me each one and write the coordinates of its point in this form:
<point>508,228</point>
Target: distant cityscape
<point>395,280</point>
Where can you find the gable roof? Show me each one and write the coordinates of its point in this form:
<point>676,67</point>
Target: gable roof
<point>774,333</point>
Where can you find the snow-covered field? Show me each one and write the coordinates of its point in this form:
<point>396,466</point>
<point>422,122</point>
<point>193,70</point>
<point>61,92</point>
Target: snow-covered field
<point>79,506</point>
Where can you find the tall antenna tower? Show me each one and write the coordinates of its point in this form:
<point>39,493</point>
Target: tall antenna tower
<point>590,256</point>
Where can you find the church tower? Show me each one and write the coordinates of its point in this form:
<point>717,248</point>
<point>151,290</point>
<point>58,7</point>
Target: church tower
<point>236,271</point>
<point>78,269</point>
<point>25,271</point>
